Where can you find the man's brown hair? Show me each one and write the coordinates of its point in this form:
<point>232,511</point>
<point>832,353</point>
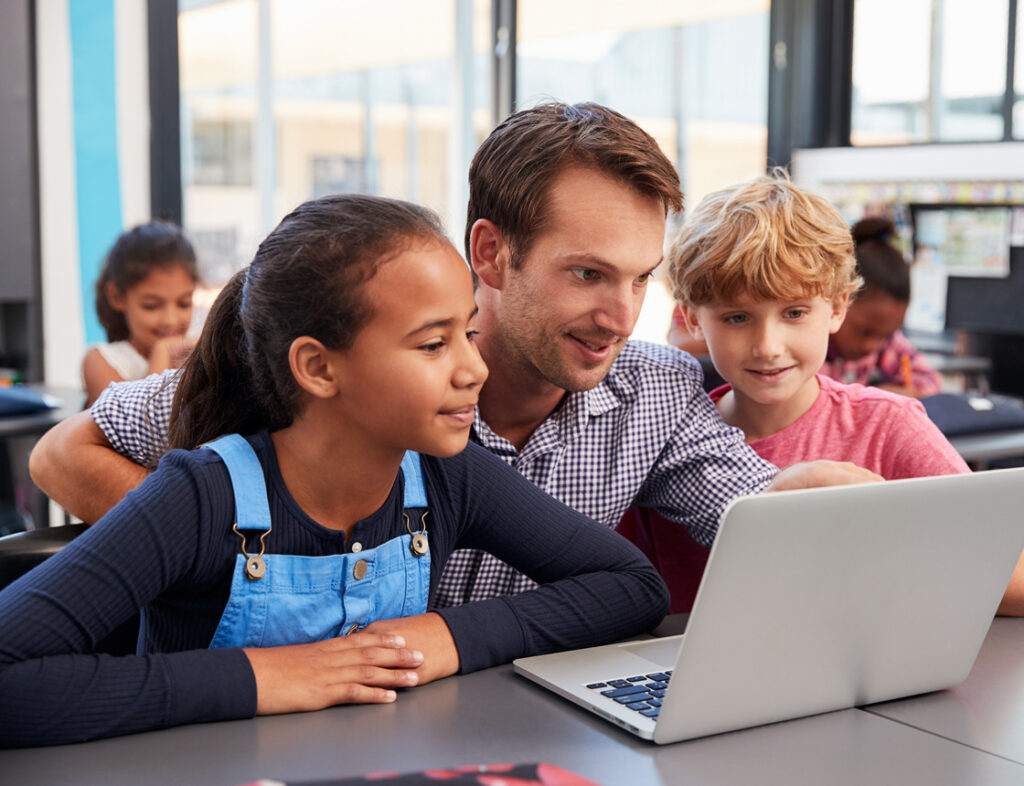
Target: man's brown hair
<point>511,173</point>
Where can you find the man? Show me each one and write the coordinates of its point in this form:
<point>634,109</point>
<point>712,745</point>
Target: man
<point>565,225</point>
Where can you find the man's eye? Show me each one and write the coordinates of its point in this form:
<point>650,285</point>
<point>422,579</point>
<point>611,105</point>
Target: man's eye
<point>586,274</point>
<point>643,279</point>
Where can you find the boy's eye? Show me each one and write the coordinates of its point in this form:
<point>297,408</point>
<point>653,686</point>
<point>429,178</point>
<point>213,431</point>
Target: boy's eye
<point>795,313</point>
<point>586,274</point>
<point>643,278</point>
<point>735,319</point>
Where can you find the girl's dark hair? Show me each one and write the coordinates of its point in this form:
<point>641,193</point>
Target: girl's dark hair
<point>306,280</point>
<point>880,264</point>
<point>137,252</point>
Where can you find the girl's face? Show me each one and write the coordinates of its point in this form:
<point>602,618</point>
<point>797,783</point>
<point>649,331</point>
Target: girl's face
<point>870,319</point>
<point>159,306</point>
<point>411,378</point>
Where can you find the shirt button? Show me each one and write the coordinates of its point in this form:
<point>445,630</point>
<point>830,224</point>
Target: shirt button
<point>357,547</point>
<point>359,571</point>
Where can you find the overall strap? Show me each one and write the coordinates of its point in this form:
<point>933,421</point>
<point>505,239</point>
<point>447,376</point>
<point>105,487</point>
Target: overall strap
<point>247,483</point>
<point>415,488</point>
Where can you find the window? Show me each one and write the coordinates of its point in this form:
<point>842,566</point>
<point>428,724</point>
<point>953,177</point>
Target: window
<point>928,71</point>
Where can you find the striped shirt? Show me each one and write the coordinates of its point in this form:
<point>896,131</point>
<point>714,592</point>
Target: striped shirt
<point>646,435</point>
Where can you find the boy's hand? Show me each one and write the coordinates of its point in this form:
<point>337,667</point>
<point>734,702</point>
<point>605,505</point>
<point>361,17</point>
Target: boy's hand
<point>811,474</point>
<point>428,634</point>
<point>359,669</point>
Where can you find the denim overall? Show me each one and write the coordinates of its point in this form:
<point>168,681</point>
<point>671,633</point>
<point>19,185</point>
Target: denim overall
<point>281,599</point>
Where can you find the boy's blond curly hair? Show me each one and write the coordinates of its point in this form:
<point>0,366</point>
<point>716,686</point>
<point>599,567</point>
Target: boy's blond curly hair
<point>766,238</point>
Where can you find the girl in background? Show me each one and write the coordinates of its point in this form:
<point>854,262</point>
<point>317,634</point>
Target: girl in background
<point>291,564</point>
<point>144,302</point>
<point>869,347</point>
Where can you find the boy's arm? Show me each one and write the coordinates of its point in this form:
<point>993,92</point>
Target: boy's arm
<point>75,465</point>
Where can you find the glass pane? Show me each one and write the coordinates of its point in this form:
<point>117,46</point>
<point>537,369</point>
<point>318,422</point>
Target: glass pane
<point>1018,76</point>
<point>694,75</point>
<point>325,96</point>
<point>928,71</point>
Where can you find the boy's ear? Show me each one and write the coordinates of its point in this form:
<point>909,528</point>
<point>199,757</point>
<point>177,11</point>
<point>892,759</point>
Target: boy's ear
<point>690,320</point>
<point>489,251</point>
<point>839,306</point>
<point>114,296</point>
<point>311,367</point>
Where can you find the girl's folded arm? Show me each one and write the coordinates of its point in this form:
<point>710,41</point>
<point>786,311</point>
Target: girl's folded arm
<point>596,586</point>
<point>52,688</point>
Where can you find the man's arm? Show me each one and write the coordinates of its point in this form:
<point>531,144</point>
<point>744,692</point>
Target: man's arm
<point>75,465</point>
<point>810,474</point>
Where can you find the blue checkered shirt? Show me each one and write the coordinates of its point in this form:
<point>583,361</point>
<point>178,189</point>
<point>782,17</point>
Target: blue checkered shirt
<point>646,435</point>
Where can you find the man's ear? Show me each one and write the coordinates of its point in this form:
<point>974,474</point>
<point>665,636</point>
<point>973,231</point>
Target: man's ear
<point>489,251</point>
<point>839,306</point>
<point>312,368</point>
<point>114,296</point>
<point>690,320</point>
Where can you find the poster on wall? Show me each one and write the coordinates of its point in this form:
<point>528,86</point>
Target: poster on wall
<point>965,241</point>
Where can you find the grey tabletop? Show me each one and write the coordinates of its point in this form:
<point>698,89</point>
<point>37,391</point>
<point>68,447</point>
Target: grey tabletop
<point>69,402</point>
<point>968,735</point>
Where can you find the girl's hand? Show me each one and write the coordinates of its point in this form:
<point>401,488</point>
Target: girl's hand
<point>429,634</point>
<point>356,669</point>
<point>170,352</point>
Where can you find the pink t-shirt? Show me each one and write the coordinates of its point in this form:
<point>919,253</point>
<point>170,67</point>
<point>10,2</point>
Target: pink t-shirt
<point>881,431</point>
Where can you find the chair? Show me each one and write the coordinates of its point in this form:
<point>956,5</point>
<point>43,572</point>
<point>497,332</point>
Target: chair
<point>22,551</point>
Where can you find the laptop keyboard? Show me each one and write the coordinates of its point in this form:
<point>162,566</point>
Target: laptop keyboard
<point>642,693</point>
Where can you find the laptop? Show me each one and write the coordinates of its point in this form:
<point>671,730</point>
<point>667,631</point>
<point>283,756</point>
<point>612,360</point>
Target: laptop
<point>815,600</point>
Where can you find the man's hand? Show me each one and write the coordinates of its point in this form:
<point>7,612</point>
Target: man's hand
<point>359,669</point>
<point>810,474</point>
<point>76,467</point>
<point>428,634</point>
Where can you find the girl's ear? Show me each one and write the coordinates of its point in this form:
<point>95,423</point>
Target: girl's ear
<point>114,296</point>
<point>311,367</point>
<point>690,320</point>
<point>839,306</point>
<point>489,251</point>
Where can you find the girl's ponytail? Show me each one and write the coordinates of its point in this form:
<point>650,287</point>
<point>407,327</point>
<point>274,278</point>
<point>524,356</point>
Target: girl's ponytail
<point>214,394</point>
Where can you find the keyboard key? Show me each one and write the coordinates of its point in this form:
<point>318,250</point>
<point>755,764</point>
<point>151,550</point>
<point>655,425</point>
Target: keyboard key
<point>632,697</point>
<point>618,683</point>
<point>640,678</point>
<point>651,713</point>
<point>658,676</point>
<point>658,694</point>
<point>595,685</point>
<point>639,705</point>
<point>656,685</point>
<point>654,702</point>
<point>630,690</point>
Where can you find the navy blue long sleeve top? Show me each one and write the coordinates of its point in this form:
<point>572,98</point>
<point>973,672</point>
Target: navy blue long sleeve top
<point>168,549</point>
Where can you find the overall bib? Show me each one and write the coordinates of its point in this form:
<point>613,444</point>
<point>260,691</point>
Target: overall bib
<point>281,599</point>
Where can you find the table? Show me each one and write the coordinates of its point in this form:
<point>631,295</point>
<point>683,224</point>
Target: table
<point>18,433</point>
<point>971,734</point>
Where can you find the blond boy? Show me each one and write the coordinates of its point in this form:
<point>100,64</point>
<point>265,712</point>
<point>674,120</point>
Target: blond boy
<point>763,272</point>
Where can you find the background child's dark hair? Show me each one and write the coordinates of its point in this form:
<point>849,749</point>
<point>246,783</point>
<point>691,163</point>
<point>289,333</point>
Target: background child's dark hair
<point>306,280</point>
<point>879,263</point>
<point>137,252</point>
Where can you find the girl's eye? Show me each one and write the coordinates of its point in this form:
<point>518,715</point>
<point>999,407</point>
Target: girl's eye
<point>586,274</point>
<point>433,347</point>
<point>472,334</point>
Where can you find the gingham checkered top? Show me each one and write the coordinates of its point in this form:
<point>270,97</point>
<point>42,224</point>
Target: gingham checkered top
<point>646,435</point>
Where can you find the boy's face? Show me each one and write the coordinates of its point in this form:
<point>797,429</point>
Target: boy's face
<point>870,320</point>
<point>768,350</point>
